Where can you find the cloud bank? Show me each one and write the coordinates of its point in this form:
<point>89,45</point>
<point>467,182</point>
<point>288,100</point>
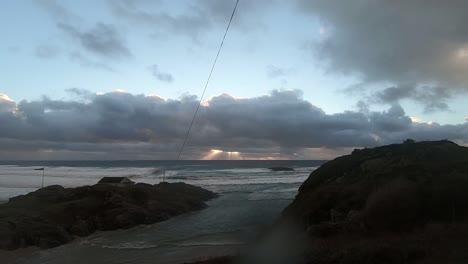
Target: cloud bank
<point>120,124</point>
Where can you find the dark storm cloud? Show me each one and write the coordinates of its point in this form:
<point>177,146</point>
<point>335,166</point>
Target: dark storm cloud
<point>158,74</point>
<point>392,120</point>
<point>419,46</point>
<point>433,97</point>
<point>36,149</point>
<point>122,122</point>
<point>103,40</point>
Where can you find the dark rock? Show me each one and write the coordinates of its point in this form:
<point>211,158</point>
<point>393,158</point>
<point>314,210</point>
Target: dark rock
<point>82,228</point>
<point>51,216</point>
<point>391,186</point>
<point>281,168</point>
<point>218,260</point>
<point>401,202</point>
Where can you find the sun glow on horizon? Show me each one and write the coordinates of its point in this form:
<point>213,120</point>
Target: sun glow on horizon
<point>212,154</point>
<point>222,155</point>
<point>234,155</point>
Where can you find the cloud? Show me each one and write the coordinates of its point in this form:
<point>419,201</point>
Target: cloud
<point>46,52</point>
<point>103,40</point>
<point>419,47</point>
<point>14,49</point>
<point>56,10</point>
<point>144,13</point>
<point>276,72</point>
<point>6,103</point>
<point>193,20</point>
<point>81,94</point>
<point>432,97</point>
<point>86,62</point>
<point>127,123</point>
<point>158,74</point>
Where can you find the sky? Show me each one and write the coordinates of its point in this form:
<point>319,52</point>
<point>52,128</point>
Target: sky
<point>299,79</point>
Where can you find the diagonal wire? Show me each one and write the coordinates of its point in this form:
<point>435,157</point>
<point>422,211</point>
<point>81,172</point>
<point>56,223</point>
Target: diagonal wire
<point>207,81</point>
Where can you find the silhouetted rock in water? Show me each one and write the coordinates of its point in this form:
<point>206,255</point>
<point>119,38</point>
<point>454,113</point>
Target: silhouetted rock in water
<point>53,215</point>
<point>281,168</point>
<point>357,207</point>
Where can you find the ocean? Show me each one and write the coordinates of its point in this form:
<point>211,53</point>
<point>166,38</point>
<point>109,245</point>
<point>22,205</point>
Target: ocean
<point>252,197</point>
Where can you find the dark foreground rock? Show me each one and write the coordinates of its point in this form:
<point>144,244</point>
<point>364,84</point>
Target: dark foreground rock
<point>402,203</point>
<point>54,215</point>
<point>218,260</point>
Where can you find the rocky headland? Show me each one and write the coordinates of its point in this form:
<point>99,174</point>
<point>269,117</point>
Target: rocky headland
<point>54,215</point>
<point>401,203</point>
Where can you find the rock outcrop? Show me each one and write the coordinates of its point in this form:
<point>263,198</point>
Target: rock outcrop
<point>420,182</point>
<point>399,203</point>
<point>281,168</point>
<point>54,215</point>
